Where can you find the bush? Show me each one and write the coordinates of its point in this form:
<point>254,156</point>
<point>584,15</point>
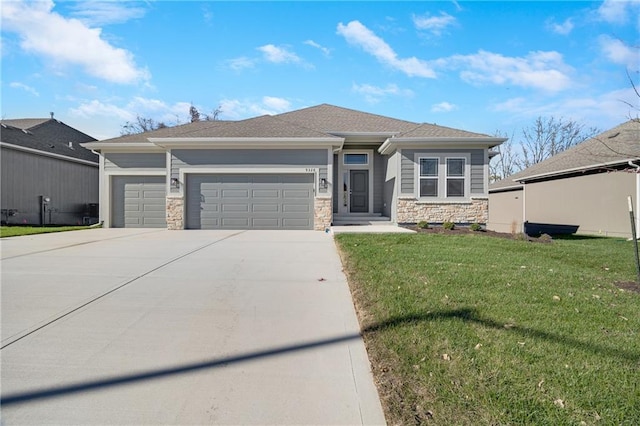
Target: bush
<point>423,224</point>
<point>475,227</point>
<point>545,238</point>
<point>449,226</point>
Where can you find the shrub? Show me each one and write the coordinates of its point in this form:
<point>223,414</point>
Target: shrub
<point>545,238</point>
<point>423,224</point>
<point>475,227</point>
<point>449,226</point>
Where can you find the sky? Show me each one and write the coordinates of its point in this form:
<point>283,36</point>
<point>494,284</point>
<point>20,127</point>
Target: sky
<point>485,67</point>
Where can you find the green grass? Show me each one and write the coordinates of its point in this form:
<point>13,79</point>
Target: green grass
<point>533,333</point>
<point>16,231</point>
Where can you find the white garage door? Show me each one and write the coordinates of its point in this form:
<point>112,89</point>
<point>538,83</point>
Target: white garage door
<point>260,201</point>
<point>139,202</point>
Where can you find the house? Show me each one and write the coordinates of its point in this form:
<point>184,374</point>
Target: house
<point>585,186</point>
<point>303,169</point>
<point>47,177</point>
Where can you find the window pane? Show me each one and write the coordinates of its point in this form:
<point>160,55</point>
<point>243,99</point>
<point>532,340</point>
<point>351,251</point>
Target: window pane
<point>428,167</point>
<point>455,187</point>
<point>428,187</point>
<point>356,159</point>
<point>455,166</point>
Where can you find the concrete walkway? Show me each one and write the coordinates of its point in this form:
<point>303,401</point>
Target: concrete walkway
<point>180,327</point>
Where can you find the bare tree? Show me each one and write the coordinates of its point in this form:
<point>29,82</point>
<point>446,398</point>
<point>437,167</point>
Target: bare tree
<point>214,115</point>
<point>548,136</point>
<point>505,163</point>
<point>141,125</point>
<point>193,112</point>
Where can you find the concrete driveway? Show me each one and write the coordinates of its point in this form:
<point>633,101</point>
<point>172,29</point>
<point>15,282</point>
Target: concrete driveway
<point>114,326</point>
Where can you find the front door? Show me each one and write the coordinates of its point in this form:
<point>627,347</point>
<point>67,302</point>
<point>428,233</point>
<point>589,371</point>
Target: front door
<point>359,194</point>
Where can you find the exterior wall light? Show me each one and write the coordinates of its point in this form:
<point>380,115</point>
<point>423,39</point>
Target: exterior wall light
<point>323,183</point>
<point>175,183</point>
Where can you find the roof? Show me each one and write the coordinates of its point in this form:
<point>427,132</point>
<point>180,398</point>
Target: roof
<point>321,121</point>
<point>329,118</point>
<point>47,135</point>
<point>613,147</point>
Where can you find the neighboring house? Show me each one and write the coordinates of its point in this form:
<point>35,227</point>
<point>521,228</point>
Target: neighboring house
<point>303,169</point>
<point>47,177</point>
<point>585,186</point>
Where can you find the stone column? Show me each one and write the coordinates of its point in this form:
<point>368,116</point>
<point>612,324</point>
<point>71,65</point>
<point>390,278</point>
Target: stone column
<point>323,213</point>
<point>175,212</point>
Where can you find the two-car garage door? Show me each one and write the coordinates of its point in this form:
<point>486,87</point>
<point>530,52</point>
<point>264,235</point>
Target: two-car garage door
<point>249,201</point>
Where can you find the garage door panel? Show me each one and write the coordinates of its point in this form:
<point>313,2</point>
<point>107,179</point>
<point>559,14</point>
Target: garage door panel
<point>138,201</point>
<point>261,201</point>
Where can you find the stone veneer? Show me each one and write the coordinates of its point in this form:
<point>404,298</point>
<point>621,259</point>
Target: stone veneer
<point>412,211</point>
<point>175,212</point>
<point>323,213</point>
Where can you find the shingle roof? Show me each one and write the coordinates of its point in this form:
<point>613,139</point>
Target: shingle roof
<point>318,121</point>
<point>25,123</point>
<point>617,145</point>
<point>427,130</point>
<point>48,135</point>
<point>330,118</point>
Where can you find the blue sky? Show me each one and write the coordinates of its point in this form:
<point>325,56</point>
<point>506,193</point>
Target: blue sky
<point>479,66</point>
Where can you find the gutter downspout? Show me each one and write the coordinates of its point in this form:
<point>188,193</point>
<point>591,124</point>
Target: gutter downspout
<point>632,164</point>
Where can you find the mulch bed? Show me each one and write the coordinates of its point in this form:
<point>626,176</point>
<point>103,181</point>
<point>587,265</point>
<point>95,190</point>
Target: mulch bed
<point>628,286</point>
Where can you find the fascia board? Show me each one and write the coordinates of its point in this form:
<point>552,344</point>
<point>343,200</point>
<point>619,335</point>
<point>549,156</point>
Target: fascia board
<point>392,144</point>
<point>122,147</point>
<point>576,169</point>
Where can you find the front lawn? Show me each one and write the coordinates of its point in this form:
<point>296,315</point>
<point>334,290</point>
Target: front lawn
<point>469,329</point>
<point>16,231</point>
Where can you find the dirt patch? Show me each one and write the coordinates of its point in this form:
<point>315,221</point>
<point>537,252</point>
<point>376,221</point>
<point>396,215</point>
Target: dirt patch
<point>628,286</point>
<point>465,230</point>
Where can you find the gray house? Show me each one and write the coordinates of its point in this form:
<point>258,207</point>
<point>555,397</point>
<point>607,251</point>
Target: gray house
<point>47,177</point>
<point>585,186</point>
<point>303,169</point>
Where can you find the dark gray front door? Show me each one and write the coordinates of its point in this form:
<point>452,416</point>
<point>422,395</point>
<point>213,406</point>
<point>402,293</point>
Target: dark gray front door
<point>359,191</point>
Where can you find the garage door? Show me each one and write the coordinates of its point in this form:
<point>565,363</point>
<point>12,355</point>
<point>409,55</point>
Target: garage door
<point>261,201</point>
<point>139,202</point>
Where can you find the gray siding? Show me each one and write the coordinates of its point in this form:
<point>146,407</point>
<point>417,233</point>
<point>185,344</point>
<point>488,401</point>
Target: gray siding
<point>145,161</point>
<point>389,184</point>
<point>407,175</point>
<point>27,176</point>
<point>379,170</point>
<point>336,184</point>
<point>276,158</point>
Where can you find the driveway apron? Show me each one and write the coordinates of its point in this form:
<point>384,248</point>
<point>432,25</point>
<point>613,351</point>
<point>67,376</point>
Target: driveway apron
<point>180,327</point>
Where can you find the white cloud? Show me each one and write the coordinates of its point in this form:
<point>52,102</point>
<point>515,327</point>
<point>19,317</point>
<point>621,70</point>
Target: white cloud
<point>618,11</point>
<point>156,109</point>
<point>324,50</point>
<point>443,107</point>
<point>235,109</point>
<point>240,63</point>
<point>434,24</point>
<point>278,55</point>
<point>69,42</point>
<point>619,52</point>
<point>99,13</point>
<point>563,29</point>
<point>22,86</point>
<point>538,70</point>
<point>374,94</point>
<point>357,34</point>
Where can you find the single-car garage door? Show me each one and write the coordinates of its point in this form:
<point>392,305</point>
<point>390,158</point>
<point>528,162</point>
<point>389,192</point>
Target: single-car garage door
<point>139,202</point>
<point>260,201</point>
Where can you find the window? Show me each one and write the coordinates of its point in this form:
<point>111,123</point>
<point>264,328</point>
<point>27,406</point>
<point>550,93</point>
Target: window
<point>455,177</point>
<point>361,159</point>
<point>428,177</point>
<point>443,176</point>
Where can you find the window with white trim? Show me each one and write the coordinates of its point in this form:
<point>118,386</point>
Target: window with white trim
<point>428,177</point>
<point>443,176</point>
<point>356,159</point>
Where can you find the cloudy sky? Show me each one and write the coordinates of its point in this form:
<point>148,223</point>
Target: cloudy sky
<point>480,66</point>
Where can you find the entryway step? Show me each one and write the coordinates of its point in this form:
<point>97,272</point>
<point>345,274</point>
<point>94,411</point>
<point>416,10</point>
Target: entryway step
<point>355,220</point>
